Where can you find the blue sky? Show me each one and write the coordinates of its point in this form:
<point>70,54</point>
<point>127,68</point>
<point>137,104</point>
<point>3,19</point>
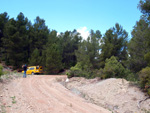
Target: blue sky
<point>83,15</point>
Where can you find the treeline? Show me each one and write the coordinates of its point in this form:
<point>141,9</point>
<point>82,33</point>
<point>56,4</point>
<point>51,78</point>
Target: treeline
<point>22,42</point>
<point>35,44</point>
<point>108,55</point>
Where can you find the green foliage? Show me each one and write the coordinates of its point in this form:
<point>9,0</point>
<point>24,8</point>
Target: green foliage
<point>35,58</point>
<point>23,42</point>
<point>51,55</point>
<point>88,52</point>
<point>13,100</point>
<point>68,74</point>
<point>93,48</point>
<point>144,6</point>
<point>96,73</point>
<point>83,57</point>
<point>1,70</point>
<point>147,58</point>
<point>130,76</point>
<point>15,41</point>
<point>53,59</point>
<point>139,46</point>
<point>114,43</point>
<point>87,56</point>
<point>33,42</point>
<point>113,68</point>
<point>21,38</point>
<point>3,20</point>
<point>69,42</point>
<point>77,71</point>
<point>144,76</point>
<point>40,34</point>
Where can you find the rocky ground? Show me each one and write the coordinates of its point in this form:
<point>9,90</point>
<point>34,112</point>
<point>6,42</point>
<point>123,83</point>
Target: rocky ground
<point>117,95</point>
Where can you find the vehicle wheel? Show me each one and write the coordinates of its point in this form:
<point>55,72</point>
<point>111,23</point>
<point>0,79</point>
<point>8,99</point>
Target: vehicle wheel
<point>32,73</point>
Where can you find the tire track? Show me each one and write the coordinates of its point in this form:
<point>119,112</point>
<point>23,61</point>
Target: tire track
<point>43,94</point>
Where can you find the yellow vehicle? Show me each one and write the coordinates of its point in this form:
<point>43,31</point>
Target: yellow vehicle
<point>34,70</point>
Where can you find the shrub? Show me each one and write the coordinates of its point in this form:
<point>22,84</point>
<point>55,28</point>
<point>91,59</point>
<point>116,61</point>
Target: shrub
<point>96,73</point>
<point>144,76</point>
<point>131,77</point>
<point>147,58</point>
<point>113,68</point>
<point>77,71</point>
<point>1,70</point>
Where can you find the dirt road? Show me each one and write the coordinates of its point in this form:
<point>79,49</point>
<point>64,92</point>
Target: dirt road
<point>43,94</point>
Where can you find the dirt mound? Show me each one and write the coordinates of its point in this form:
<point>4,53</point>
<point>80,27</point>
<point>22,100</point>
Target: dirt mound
<point>117,95</point>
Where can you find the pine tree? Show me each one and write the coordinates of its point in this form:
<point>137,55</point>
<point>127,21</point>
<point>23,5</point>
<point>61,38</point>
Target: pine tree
<point>114,43</point>
<point>69,43</point>
<point>139,46</point>
<point>35,58</point>
<point>3,20</point>
<point>53,59</point>
<point>88,54</point>
<point>15,41</point>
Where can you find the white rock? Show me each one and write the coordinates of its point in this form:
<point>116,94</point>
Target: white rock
<point>67,80</point>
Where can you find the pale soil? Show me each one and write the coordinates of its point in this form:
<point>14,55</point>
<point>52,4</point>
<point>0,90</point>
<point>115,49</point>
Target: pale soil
<point>118,95</point>
<point>43,94</point>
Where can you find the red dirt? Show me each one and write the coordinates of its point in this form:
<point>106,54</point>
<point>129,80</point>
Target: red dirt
<point>43,94</point>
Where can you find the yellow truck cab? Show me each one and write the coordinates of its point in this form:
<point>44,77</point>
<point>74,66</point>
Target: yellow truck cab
<point>34,70</point>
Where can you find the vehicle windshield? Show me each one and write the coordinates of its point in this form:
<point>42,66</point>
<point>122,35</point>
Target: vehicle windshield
<point>37,67</point>
<point>31,69</point>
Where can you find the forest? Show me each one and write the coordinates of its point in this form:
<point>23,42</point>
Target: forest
<point>104,56</point>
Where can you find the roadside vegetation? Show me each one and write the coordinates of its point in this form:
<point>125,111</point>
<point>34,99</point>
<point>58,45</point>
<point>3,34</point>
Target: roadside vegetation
<point>7,74</point>
<point>110,55</point>
<point>1,70</point>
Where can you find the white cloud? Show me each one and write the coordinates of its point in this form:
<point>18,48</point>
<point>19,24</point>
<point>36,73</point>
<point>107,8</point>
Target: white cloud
<point>83,32</point>
<point>58,33</point>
